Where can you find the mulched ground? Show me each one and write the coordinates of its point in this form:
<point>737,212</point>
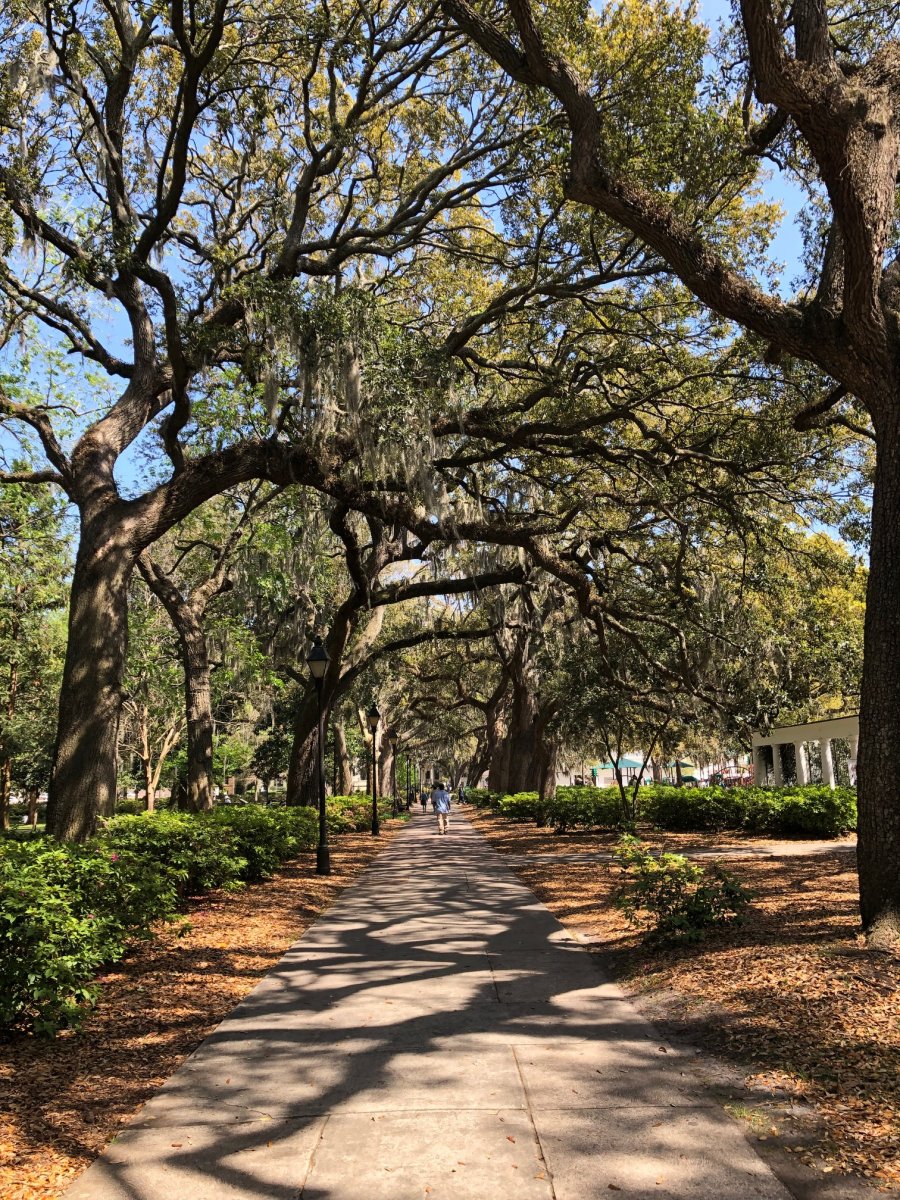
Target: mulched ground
<point>62,1100</point>
<point>792,997</point>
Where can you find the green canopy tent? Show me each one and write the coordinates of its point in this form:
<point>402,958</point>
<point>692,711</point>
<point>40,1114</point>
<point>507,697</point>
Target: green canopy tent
<point>629,767</point>
<point>688,769</point>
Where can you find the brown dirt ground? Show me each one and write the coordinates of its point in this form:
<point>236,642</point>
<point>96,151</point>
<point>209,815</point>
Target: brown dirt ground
<point>791,997</point>
<point>61,1100</point>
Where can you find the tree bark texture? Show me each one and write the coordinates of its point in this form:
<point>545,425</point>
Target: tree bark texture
<point>878,763</point>
<point>198,711</point>
<point>6,762</point>
<point>5,789</point>
<point>516,764</point>
<point>548,765</point>
<point>83,780</point>
<point>385,767</point>
<point>149,789</point>
<point>302,779</point>
<point>187,619</point>
<point>345,769</point>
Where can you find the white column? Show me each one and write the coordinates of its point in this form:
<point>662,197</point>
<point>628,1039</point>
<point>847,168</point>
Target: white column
<point>759,767</point>
<point>777,777</point>
<point>827,762</point>
<point>854,747</point>
<point>802,763</point>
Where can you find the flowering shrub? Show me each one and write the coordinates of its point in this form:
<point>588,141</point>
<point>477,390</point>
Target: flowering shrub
<point>674,899</point>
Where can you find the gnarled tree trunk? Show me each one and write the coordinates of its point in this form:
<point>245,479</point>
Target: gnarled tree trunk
<point>878,763</point>
<point>6,762</point>
<point>345,768</point>
<point>83,780</point>
<point>187,618</point>
<point>198,709</point>
<point>5,789</point>
<point>498,771</point>
<point>520,749</point>
<point>303,779</point>
<point>548,760</point>
<point>386,767</point>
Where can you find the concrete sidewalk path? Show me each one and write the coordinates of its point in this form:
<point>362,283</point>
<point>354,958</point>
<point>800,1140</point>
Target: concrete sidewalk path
<point>436,1035</point>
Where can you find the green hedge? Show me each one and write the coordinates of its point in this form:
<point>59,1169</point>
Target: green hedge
<point>813,811</point>
<point>353,814</point>
<point>684,808</point>
<point>585,808</point>
<point>66,910</point>
<point>482,798</point>
<point>523,806</point>
<point>571,808</point>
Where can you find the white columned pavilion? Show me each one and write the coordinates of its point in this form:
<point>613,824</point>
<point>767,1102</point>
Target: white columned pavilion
<point>823,732</point>
<point>777,774</point>
<point>801,759</point>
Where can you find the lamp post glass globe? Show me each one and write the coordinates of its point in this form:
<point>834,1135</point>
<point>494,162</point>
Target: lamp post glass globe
<point>373,716</point>
<point>317,660</point>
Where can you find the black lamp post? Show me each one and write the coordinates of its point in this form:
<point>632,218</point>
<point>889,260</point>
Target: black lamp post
<point>408,800</point>
<point>317,660</point>
<point>373,716</point>
<point>395,794</point>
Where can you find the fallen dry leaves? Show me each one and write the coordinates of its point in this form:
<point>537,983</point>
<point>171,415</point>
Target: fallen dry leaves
<point>792,995</point>
<point>62,1100</point>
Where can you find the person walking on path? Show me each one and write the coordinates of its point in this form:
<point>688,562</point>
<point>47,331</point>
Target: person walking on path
<point>423,798</point>
<point>440,802</point>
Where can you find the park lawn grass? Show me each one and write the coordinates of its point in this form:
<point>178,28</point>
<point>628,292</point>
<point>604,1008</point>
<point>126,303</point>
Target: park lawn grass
<point>63,1099</point>
<point>791,997</point>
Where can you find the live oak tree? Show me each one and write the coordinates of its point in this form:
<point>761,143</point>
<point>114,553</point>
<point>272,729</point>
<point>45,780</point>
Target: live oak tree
<point>820,93</point>
<point>317,292</point>
<point>190,203</point>
<point>188,572</point>
<point>704,642</point>
<point>168,181</point>
<point>672,526</point>
<point>373,571</point>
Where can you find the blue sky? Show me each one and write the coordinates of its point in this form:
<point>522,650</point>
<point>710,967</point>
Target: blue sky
<point>787,246</point>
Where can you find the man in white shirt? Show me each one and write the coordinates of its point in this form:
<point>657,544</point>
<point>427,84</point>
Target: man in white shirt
<point>440,802</point>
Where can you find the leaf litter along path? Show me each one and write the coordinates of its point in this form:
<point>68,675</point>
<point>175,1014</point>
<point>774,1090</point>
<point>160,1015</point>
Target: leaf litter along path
<point>791,997</point>
<point>63,1099</point>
